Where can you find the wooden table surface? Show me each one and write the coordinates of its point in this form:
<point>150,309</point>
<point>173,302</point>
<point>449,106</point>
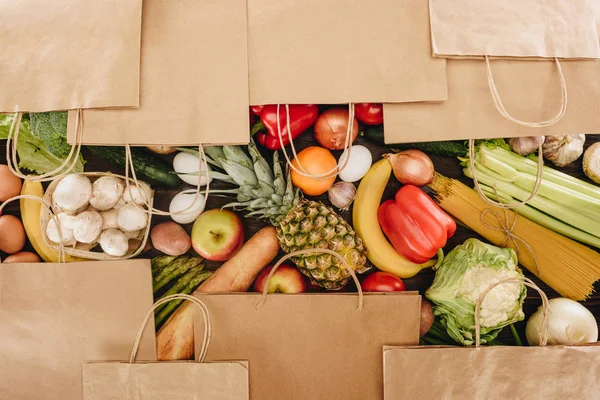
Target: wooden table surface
<point>446,165</point>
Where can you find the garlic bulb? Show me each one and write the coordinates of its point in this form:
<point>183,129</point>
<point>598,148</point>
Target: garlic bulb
<point>342,194</point>
<point>591,162</point>
<point>525,145</point>
<point>562,150</point>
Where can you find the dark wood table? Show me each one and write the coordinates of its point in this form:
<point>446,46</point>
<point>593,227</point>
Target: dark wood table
<point>448,166</point>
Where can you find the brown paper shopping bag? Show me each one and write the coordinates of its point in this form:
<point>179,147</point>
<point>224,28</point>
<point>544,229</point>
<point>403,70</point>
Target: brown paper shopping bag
<point>54,317</point>
<point>311,346</point>
<point>194,79</point>
<point>167,380</point>
<point>540,29</point>
<point>492,372</point>
<point>69,54</point>
<point>338,52</point>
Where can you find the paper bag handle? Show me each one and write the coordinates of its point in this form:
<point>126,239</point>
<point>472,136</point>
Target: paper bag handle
<point>502,110</point>
<point>150,313</point>
<point>11,151</point>
<point>153,211</point>
<point>61,246</point>
<point>302,171</point>
<point>263,296</point>
<point>543,332</point>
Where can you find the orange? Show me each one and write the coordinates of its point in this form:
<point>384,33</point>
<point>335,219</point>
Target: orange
<point>315,161</point>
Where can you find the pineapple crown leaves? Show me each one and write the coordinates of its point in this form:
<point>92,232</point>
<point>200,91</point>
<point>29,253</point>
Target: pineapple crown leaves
<point>264,191</point>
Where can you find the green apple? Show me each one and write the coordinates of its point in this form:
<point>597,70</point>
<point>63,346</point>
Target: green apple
<point>217,234</point>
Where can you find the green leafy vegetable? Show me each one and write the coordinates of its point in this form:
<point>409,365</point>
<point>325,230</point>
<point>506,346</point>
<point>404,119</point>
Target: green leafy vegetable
<point>462,276</point>
<point>51,127</point>
<point>33,153</point>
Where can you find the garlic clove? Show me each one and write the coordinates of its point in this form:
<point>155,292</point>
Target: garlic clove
<point>342,195</point>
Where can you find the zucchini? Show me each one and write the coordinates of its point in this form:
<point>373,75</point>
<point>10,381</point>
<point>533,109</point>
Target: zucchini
<point>456,148</point>
<point>149,168</point>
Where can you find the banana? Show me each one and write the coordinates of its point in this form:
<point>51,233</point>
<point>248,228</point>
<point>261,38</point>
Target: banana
<point>364,216</point>
<point>30,215</point>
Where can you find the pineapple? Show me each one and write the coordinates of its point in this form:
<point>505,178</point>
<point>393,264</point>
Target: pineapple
<point>301,224</point>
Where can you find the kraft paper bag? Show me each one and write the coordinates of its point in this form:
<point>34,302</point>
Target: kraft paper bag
<point>530,91</point>
<point>69,54</point>
<point>337,51</point>
<point>491,373</point>
<point>54,317</point>
<point>194,79</point>
<point>311,346</point>
<point>167,380</point>
<point>514,28</point>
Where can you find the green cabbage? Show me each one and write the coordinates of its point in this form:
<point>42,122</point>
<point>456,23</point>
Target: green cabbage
<point>460,279</point>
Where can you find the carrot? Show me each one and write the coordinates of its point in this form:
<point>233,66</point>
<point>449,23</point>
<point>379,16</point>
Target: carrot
<point>175,340</point>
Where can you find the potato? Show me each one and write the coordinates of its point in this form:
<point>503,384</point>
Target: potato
<point>427,317</point>
<point>12,234</point>
<point>23,257</point>
<point>170,238</point>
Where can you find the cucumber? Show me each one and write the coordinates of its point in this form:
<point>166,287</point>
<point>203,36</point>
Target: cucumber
<point>456,148</point>
<point>148,167</point>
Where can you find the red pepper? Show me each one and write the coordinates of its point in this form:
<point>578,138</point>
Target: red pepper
<point>369,113</point>
<point>415,225</point>
<point>302,117</point>
<point>256,109</point>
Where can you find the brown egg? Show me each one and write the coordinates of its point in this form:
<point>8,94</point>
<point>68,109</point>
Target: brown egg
<point>12,234</point>
<point>10,185</point>
<point>23,257</point>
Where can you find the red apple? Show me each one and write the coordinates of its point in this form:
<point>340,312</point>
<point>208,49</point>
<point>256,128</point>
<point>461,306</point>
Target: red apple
<point>286,279</point>
<point>217,234</point>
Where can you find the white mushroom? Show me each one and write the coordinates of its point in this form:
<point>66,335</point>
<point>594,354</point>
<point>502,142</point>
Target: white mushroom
<point>130,218</point>
<point>109,219</point>
<point>106,192</point>
<point>120,203</point>
<point>88,226</point>
<point>134,234</point>
<point>72,193</point>
<point>66,230</point>
<point>114,242</point>
<point>137,195</point>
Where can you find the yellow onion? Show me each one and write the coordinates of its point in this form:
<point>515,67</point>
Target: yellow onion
<point>412,167</point>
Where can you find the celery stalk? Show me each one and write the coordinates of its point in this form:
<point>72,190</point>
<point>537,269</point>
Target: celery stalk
<point>528,166</point>
<point>544,219</point>
<point>557,210</point>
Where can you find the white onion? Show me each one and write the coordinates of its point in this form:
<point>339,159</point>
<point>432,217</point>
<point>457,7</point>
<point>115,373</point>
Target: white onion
<point>186,165</point>
<point>570,324</point>
<point>183,201</point>
<point>358,165</point>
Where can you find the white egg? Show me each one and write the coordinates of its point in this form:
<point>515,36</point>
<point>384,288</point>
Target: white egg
<point>358,165</point>
<point>184,200</point>
<point>187,165</point>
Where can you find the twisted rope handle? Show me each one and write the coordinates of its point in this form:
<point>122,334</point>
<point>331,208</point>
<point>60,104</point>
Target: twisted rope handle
<point>302,171</point>
<point>11,151</point>
<point>196,301</point>
<point>502,110</point>
<point>153,211</point>
<point>61,247</point>
<point>534,192</point>
<point>263,296</point>
<point>543,331</point>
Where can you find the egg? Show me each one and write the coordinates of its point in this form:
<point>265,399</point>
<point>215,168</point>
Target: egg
<point>358,165</point>
<point>22,257</point>
<point>184,200</point>
<point>12,234</point>
<point>10,185</point>
<point>187,165</point>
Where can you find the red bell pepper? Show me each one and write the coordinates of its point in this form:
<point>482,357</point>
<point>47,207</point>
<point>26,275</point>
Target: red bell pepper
<point>369,113</point>
<point>256,109</point>
<point>302,117</point>
<point>415,225</point>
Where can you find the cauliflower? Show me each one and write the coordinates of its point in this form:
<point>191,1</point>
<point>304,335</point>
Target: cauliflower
<point>460,280</point>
